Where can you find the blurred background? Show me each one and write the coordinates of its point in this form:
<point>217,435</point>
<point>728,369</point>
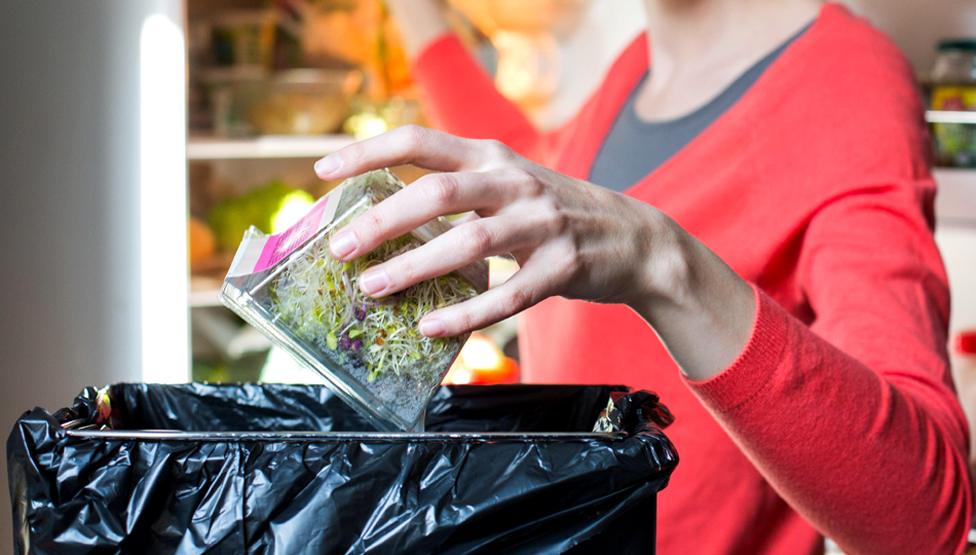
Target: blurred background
<point>141,137</point>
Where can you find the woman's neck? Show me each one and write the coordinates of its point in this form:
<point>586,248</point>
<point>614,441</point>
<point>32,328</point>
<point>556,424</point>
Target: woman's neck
<point>700,46</point>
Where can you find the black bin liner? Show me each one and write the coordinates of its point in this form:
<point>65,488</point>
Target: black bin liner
<point>250,468</point>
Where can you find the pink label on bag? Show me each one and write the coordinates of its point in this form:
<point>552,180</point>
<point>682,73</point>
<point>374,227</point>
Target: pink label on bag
<point>280,245</point>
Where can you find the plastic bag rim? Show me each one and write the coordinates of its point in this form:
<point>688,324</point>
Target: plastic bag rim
<point>344,437</point>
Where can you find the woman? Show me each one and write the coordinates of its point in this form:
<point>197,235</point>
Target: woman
<point>766,264</point>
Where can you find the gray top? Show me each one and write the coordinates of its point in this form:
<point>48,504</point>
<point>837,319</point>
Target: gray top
<point>635,147</point>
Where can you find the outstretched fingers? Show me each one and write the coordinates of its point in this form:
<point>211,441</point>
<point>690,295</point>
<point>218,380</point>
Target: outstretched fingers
<point>410,144</point>
<point>523,290</point>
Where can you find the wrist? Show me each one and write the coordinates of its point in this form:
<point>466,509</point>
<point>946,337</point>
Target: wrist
<point>699,307</point>
<point>664,270</point>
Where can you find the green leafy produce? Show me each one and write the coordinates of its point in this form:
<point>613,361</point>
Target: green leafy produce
<point>258,207</point>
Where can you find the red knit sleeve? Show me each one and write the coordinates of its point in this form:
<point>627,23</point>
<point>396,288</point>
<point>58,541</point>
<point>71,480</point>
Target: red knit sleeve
<point>853,420</point>
<point>461,98</point>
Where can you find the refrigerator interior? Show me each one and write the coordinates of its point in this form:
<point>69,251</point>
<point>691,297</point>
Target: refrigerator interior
<point>103,168</point>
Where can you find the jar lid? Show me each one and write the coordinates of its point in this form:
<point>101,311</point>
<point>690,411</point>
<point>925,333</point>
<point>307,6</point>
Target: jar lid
<point>957,44</point>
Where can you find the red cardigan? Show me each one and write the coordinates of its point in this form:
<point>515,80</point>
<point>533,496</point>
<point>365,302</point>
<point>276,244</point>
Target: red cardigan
<point>839,416</point>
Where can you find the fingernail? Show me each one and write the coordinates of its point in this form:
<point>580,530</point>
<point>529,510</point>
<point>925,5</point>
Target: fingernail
<point>373,281</point>
<point>327,166</point>
<point>342,244</point>
<point>432,327</point>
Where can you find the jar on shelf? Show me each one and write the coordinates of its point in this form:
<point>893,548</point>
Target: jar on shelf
<point>953,78</point>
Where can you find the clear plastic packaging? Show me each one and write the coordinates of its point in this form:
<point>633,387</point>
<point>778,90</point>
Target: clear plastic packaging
<point>369,350</point>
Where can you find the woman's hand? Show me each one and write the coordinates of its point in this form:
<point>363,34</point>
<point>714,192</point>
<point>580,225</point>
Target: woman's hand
<point>571,238</point>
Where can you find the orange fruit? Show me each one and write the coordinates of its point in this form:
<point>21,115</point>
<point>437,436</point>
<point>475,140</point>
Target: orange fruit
<point>203,242</point>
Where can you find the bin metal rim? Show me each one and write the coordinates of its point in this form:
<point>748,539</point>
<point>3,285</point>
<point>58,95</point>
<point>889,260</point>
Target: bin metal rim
<point>366,437</point>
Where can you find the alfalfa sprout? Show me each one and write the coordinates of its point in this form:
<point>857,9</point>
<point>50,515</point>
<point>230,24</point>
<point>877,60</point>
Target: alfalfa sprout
<point>319,297</point>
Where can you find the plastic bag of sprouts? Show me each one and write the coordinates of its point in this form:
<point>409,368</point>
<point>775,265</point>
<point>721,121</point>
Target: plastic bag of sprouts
<point>369,350</point>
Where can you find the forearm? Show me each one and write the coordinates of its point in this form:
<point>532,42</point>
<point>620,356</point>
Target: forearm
<point>687,293</point>
<point>460,96</point>
<point>462,99</point>
<point>863,453</point>
<point>420,22</point>
<point>873,462</point>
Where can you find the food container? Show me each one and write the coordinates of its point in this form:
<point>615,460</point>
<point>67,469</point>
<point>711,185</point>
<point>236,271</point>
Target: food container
<point>369,350</point>
<point>291,102</point>
<point>304,101</point>
<point>244,38</point>
<point>953,79</point>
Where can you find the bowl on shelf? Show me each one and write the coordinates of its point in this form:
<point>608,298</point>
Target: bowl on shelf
<point>303,101</point>
<point>288,102</point>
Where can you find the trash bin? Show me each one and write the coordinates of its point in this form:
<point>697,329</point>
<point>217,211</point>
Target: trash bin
<point>250,468</point>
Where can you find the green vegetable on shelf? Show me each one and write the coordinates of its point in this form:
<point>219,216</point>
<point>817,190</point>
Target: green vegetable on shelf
<point>271,208</point>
